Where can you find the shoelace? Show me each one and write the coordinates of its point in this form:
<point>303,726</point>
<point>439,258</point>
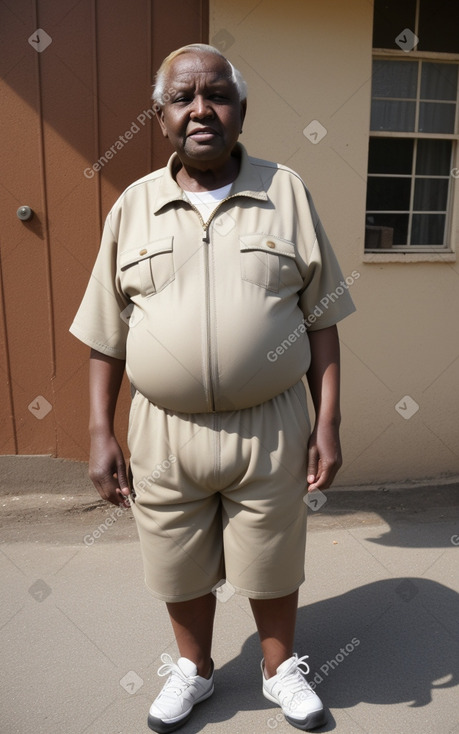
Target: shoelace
<point>293,678</point>
<point>178,681</point>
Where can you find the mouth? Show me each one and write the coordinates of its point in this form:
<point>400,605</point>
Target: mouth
<point>202,133</point>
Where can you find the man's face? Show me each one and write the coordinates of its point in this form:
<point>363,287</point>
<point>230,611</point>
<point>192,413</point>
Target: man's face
<point>204,116</point>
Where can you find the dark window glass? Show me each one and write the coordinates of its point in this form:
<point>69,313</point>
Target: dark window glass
<point>438,26</point>
<point>391,155</point>
<point>384,230</point>
<point>387,194</point>
<point>391,17</point>
<point>433,158</point>
<point>428,229</point>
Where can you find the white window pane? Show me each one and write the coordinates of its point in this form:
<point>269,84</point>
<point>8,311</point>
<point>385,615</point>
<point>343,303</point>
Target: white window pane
<point>428,229</point>
<point>394,79</point>
<point>431,194</point>
<point>394,116</point>
<point>433,157</point>
<point>436,117</point>
<point>439,81</point>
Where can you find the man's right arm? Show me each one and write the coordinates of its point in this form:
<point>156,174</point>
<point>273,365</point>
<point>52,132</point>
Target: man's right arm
<point>107,467</point>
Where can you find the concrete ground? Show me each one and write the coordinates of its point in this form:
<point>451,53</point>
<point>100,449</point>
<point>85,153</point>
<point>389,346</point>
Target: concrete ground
<point>82,637</point>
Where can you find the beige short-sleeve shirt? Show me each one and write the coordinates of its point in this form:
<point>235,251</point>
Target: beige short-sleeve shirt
<point>213,315</point>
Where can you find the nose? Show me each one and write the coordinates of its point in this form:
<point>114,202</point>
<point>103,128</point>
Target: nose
<point>201,108</point>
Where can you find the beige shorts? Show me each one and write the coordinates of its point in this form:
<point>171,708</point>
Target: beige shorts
<point>221,496</point>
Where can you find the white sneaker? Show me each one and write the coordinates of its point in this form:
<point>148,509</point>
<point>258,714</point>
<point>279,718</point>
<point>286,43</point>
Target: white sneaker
<point>289,689</point>
<point>181,691</point>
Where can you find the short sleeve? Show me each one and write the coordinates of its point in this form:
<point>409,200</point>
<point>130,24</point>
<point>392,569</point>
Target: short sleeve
<point>101,321</point>
<point>325,300</point>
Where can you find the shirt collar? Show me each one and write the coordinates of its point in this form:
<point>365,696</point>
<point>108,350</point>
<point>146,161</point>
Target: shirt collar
<point>248,181</point>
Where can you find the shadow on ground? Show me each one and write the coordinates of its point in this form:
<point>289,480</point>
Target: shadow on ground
<point>388,642</point>
<point>404,508</point>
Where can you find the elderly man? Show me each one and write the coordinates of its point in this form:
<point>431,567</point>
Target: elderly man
<point>216,287</point>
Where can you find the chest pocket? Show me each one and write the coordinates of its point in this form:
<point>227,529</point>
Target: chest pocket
<point>269,262</point>
<point>149,268</point>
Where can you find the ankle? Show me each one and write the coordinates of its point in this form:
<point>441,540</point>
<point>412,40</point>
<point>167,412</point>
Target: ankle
<point>272,662</point>
<point>268,670</point>
<point>205,669</point>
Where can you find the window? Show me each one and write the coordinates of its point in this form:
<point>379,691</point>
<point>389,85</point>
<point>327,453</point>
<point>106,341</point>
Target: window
<point>414,126</point>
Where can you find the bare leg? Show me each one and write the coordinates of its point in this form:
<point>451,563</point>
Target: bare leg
<point>192,622</point>
<point>275,620</point>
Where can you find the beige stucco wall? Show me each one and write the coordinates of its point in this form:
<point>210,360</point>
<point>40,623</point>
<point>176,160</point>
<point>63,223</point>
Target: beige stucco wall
<point>308,60</point>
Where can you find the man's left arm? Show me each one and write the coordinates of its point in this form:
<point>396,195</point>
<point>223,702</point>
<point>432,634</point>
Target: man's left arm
<point>324,450</point>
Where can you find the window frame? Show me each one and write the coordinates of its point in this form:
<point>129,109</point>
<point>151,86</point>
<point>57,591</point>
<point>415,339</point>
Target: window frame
<point>424,252</point>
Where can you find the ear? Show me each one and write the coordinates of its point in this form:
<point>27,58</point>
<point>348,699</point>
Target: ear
<point>243,111</point>
<point>159,114</point>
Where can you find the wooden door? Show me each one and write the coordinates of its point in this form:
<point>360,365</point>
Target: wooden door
<point>76,129</point>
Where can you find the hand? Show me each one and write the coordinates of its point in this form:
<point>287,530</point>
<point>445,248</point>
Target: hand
<point>324,456</point>
<point>107,469</point>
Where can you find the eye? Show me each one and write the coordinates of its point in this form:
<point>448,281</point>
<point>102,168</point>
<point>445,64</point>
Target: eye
<point>184,95</point>
<point>218,94</point>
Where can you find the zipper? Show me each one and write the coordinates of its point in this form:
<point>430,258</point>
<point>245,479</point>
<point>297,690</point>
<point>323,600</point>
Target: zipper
<point>206,241</point>
<point>210,370</point>
<point>205,225</point>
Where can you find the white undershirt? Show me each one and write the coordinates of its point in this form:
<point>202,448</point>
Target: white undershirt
<point>206,201</point>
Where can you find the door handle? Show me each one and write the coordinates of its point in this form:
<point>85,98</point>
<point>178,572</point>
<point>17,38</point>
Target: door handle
<point>24,213</point>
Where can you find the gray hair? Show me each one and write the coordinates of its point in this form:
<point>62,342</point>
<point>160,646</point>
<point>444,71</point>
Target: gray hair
<point>161,95</point>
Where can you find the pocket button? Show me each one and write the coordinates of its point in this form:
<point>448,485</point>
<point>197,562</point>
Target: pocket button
<point>143,252</point>
<point>271,244</point>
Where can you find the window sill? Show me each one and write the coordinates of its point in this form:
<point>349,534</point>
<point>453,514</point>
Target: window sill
<point>409,257</point>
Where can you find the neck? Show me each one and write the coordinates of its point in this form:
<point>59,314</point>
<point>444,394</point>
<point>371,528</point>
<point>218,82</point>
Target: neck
<point>191,178</point>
